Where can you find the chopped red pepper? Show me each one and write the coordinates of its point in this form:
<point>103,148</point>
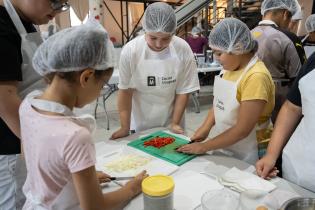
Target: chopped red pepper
<point>159,142</point>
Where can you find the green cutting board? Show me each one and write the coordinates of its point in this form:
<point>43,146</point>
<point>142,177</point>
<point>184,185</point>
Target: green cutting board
<point>167,152</point>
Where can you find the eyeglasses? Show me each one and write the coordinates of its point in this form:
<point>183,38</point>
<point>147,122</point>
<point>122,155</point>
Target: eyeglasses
<point>56,5</point>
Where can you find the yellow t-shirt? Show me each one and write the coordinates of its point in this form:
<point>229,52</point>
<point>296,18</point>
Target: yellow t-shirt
<point>256,84</point>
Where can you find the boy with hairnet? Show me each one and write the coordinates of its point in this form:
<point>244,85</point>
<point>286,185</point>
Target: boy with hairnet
<point>157,73</point>
<point>243,96</point>
<point>280,50</point>
<point>58,146</point>
<point>308,41</point>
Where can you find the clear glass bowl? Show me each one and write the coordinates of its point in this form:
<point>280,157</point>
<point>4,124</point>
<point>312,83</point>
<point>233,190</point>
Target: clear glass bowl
<point>219,200</point>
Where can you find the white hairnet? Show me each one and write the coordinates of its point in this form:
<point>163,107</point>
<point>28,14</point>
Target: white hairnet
<point>298,15</point>
<point>159,17</point>
<point>310,24</point>
<point>196,30</point>
<point>290,5</point>
<point>232,36</point>
<point>75,49</point>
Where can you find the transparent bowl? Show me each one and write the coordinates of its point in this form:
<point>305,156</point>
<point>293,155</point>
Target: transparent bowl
<point>251,199</point>
<point>219,200</point>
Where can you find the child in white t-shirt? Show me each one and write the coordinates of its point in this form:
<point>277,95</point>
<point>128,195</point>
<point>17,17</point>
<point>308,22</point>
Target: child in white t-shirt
<point>58,147</point>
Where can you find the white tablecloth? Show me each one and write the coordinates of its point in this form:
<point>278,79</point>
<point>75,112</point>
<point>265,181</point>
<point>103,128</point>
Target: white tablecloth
<point>212,164</point>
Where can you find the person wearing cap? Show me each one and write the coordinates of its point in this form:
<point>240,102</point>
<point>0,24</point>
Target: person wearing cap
<point>61,161</point>
<point>295,20</point>
<point>196,41</point>
<point>18,40</point>
<point>280,50</point>
<point>157,72</point>
<point>243,96</point>
<point>294,133</point>
<point>308,41</point>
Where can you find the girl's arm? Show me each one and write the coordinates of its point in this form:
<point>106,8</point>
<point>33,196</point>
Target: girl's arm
<point>248,116</point>
<point>90,195</point>
<point>124,108</point>
<point>179,108</point>
<point>203,131</point>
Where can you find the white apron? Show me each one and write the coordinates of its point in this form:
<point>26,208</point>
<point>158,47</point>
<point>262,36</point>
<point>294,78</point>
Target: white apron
<point>67,198</point>
<point>298,160</point>
<point>29,44</point>
<point>31,80</point>
<point>226,108</point>
<point>153,100</point>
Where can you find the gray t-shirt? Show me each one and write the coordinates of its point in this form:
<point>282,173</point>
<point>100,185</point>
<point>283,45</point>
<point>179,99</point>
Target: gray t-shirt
<point>277,51</point>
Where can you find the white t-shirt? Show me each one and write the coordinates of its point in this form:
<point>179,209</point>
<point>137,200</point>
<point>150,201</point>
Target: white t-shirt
<point>132,51</point>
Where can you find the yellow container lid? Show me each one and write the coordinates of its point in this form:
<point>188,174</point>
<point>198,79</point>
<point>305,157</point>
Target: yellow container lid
<point>158,185</point>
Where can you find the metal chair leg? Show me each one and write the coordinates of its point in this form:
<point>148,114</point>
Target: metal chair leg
<point>196,102</point>
<point>95,109</point>
<point>106,113</point>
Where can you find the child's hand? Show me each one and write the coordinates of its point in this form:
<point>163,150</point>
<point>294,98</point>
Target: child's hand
<point>176,128</point>
<point>194,148</point>
<point>200,134</point>
<point>102,177</point>
<point>135,184</point>
<point>265,167</point>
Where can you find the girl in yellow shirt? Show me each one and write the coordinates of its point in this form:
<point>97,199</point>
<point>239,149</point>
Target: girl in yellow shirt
<point>243,96</point>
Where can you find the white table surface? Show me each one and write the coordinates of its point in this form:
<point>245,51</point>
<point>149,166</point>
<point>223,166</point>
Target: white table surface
<point>205,163</point>
<point>209,69</point>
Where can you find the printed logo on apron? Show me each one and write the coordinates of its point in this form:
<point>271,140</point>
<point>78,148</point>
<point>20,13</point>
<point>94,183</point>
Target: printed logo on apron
<point>151,81</point>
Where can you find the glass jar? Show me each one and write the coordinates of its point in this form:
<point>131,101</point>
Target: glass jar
<point>158,192</point>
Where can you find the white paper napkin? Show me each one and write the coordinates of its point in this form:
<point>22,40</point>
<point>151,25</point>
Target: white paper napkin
<point>242,180</point>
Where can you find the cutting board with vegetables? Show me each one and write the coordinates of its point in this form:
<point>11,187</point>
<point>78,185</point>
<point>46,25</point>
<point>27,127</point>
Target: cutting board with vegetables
<point>163,145</point>
<point>128,161</point>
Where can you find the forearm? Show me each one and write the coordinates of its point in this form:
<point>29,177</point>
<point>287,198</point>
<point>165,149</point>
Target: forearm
<point>209,121</point>
<point>287,120</point>
<point>179,107</point>
<point>9,108</point>
<point>225,139</point>
<point>124,107</point>
<point>247,119</point>
<point>118,199</point>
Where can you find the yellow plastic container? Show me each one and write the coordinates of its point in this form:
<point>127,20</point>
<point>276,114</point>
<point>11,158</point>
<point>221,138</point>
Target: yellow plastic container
<point>158,192</point>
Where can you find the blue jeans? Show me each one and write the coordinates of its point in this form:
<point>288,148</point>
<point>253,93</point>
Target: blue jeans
<point>12,178</point>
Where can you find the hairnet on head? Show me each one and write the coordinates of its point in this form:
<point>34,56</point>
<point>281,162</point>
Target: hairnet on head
<point>75,49</point>
<point>231,35</point>
<point>159,17</point>
<point>291,5</point>
<point>196,30</point>
<point>310,24</point>
<point>298,15</point>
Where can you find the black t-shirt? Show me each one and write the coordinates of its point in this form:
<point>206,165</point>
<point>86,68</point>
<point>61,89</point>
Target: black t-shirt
<point>294,95</point>
<point>10,70</point>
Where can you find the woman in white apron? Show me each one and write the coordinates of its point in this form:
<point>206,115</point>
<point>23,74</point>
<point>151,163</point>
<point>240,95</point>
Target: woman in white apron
<point>235,122</point>
<point>58,146</point>
<point>296,116</point>
<point>11,190</point>
<point>157,72</point>
<point>309,40</point>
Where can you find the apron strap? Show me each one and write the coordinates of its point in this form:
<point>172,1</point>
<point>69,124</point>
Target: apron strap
<point>251,63</point>
<point>14,17</point>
